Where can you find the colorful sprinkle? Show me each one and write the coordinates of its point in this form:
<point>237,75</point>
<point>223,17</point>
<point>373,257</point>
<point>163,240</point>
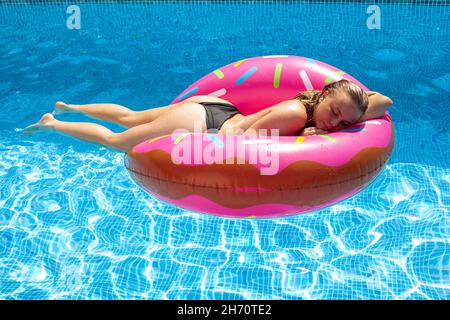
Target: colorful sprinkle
<point>246,75</point>
<point>360,129</point>
<point>311,60</point>
<point>274,56</point>
<point>299,140</point>
<point>373,122</point>
<point>177,140</point>
<point>239,62</point>
<point>327,137</point>
<point>306,80</point>
<point>336,76</point>
<point>219,74</point>
<point>276,79</point>
<point>215,139</point>
<point>190,92</point>
<point>157,138</point>
<point>250,217</point>
<point>218,93</point>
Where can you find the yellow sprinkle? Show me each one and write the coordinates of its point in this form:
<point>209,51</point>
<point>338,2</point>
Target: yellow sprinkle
<point>239,62</point>
<point>250,217</point>
<point>157,138</point>
<point>299,140</point>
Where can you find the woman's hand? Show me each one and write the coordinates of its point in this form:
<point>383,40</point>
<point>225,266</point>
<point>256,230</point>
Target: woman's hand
<point>312,130</point>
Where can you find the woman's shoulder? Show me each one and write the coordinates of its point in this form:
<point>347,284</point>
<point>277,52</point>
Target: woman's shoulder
<point>298,105</point>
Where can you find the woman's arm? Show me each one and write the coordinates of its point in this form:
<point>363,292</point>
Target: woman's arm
<point>378,104</point>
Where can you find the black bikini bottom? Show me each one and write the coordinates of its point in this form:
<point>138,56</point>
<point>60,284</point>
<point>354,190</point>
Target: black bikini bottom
<point>217,113</point>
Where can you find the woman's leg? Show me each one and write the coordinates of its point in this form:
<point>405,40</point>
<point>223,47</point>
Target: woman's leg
<point>114,112</point>
<point>106,111</point>
<point>188,116</point>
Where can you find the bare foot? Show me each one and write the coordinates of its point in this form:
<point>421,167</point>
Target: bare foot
<point>40,126</point>
<point>61,107</point>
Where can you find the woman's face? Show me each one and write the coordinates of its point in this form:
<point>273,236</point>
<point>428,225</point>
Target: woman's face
<point>334,113</point>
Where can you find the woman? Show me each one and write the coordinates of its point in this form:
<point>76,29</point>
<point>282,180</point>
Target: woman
<point>338,105</point>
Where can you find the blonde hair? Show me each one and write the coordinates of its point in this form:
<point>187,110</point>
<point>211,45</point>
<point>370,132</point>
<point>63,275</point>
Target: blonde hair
<point>310,99</point>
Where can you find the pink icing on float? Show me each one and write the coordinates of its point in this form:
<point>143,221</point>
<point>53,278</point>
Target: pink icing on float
<point>261,177</point>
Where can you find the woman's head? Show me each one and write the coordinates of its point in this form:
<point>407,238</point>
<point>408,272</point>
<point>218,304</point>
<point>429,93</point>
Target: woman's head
<point>337,106</point>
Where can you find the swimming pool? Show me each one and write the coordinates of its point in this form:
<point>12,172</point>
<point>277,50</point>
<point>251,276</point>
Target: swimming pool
<point>73,225</point>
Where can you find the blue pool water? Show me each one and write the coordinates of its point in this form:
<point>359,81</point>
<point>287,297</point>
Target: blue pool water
<point>73,225</point>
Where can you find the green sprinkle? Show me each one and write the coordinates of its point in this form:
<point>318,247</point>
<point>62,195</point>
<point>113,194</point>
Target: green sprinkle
<point>177,140</point>
<point>219,74</point>
<point>276,79</point>
<point>327,137</point>
<point>336,75</point>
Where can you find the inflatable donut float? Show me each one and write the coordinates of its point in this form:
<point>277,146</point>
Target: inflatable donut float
<point>261,177</point>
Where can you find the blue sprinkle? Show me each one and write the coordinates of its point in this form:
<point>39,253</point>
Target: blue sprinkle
<point>190,92</point>
<point>246,75</point>
<point>353,130</point>
<point>217,142</point>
